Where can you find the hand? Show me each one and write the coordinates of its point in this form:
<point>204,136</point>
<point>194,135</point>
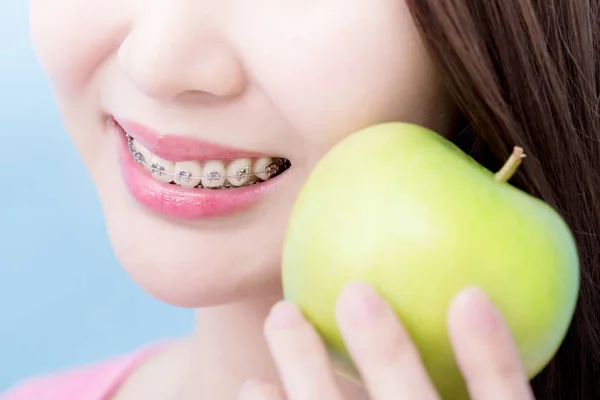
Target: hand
<point>388,361</point>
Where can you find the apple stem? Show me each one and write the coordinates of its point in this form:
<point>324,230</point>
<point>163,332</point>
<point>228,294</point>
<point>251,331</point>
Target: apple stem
<point>512,164</point>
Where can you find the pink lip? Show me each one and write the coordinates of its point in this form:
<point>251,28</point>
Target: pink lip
<point>174,147</point>
<point>182,203</point>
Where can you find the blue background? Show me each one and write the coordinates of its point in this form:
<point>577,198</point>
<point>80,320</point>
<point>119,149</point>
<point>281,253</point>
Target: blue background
<point>64,300</point>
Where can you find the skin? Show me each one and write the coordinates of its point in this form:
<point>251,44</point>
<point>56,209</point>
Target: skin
<point>280,77</point>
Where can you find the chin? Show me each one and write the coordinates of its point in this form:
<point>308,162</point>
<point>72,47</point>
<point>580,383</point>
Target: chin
<point>192,266</point>
<point>195,279</point>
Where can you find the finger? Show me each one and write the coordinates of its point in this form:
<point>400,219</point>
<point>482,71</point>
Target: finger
<point>386,357</point>
<point>259,390</point>
<point>484,348</point>
<point>300,355</point>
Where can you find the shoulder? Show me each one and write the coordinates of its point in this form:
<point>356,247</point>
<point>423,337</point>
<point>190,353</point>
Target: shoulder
<point>92,382</point>
<point>75,383</point>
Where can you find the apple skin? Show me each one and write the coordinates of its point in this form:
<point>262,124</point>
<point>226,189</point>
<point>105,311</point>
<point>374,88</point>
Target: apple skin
<point>402,208</point>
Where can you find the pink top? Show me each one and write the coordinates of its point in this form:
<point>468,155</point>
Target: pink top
<point>95,382</point>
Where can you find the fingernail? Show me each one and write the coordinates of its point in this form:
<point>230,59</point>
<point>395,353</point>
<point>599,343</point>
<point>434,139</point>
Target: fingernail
<point>250,384</point>
<point>362,302</point>
<point>257,388</point>
<point>285,315</point>
<point>476,311</point>
<point>249,389</point>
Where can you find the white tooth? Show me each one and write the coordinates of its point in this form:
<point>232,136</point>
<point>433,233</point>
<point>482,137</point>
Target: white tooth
<point>188,173</point>
<point>238,171</point>
<point>213,174</point>
<point>143,150</point>
<point>259,167</point>
<point>158,173</point>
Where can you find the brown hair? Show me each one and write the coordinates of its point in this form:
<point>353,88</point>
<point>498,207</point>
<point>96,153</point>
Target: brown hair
<point>527,72</point>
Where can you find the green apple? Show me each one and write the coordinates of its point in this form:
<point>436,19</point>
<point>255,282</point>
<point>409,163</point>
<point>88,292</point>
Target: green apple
<point>404,209</point>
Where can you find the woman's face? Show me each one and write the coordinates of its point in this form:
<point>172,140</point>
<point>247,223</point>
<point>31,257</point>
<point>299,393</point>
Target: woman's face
<point>216,89</point>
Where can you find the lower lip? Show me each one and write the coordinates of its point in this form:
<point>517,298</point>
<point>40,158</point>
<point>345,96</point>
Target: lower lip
<point>178,202</point>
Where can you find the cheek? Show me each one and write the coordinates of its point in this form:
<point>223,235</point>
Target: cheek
<point>339,72</point>
<point>73,38</point>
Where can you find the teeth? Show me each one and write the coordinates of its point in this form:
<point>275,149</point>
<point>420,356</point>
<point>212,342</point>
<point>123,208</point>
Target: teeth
<point>162,169</point>
<point>188,173</point>
<point>260,168</point>
<point>143,150</point>
<point>213,174</point>
<point>238,171</point>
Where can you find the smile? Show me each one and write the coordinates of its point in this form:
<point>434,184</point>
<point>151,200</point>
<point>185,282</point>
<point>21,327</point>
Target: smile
<point>190,179</point>
<point>209,174</point>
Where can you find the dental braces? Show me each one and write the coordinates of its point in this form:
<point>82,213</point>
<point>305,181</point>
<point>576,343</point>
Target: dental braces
<point>270,170</point>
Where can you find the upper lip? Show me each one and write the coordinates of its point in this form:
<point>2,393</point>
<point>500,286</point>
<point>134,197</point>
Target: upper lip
<point>174,147</point>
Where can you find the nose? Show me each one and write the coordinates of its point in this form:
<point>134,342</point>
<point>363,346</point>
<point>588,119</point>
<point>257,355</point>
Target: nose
<point>171,51</point>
